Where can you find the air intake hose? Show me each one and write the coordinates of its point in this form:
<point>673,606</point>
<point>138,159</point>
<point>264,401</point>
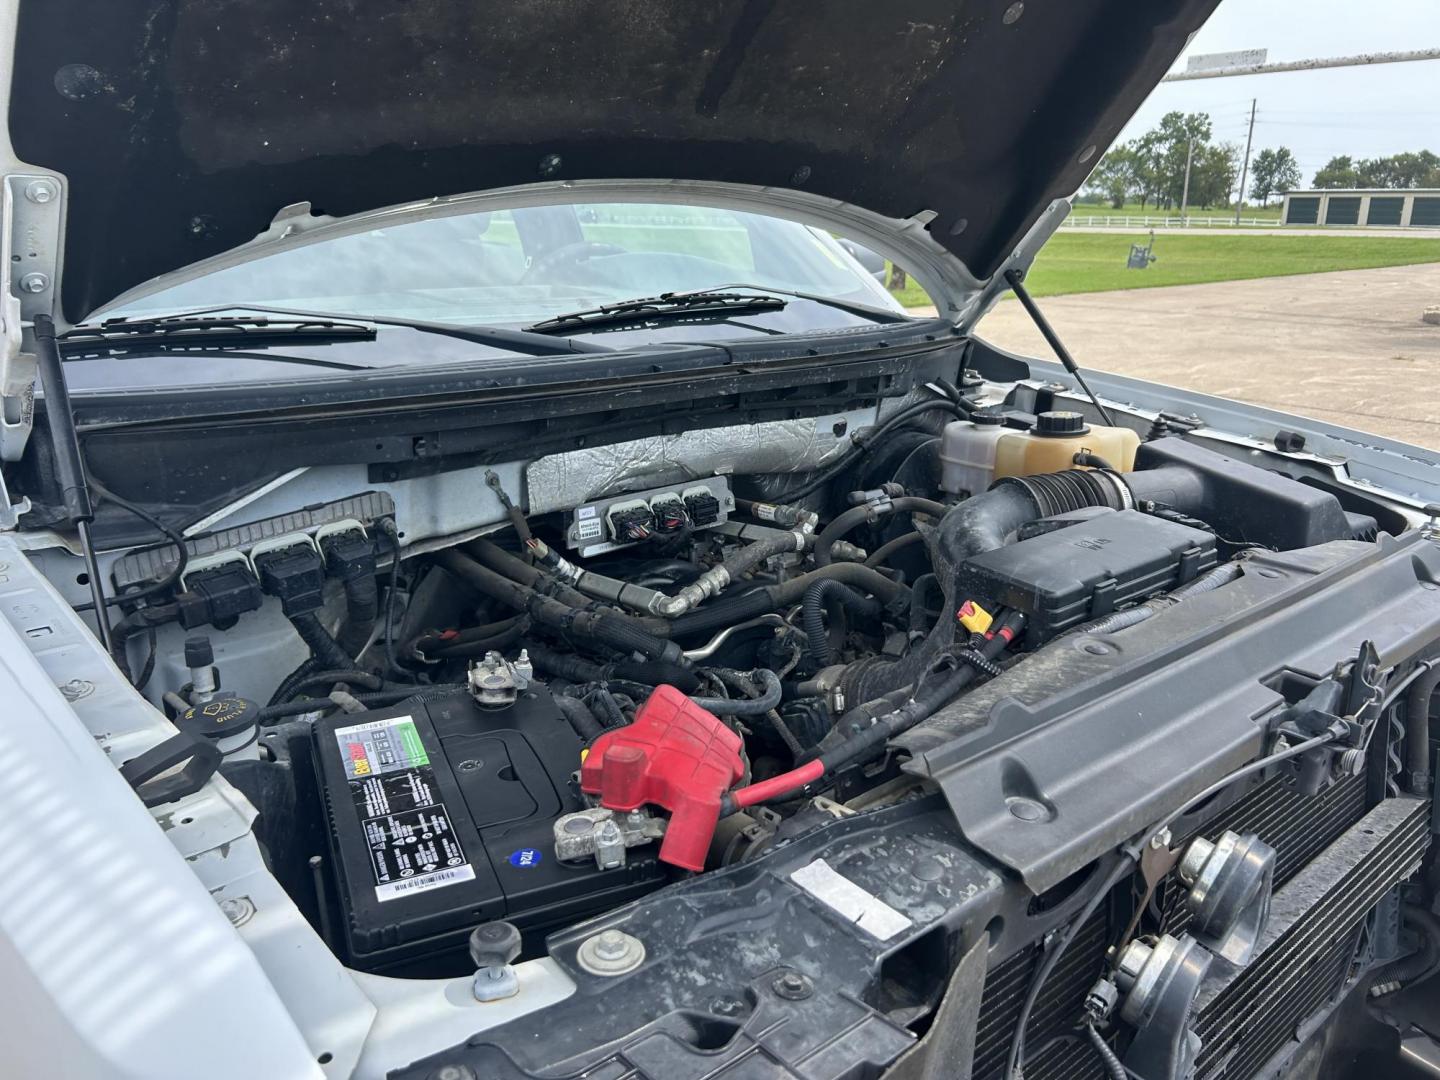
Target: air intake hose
<point>977,525</point>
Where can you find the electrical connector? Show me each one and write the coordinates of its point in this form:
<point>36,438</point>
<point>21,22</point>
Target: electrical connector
<point>703,507</point>
<point>294,575</point>
<point>218,596</point>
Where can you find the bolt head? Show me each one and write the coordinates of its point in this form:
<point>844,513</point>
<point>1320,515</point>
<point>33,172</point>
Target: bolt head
<point>34,283</point>
<point>611,952</point>
<point>792,986</point>
<point>40,191</point>
<point>610,945</point>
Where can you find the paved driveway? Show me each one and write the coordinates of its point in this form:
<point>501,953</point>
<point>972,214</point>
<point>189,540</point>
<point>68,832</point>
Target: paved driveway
<point>1347,347</point>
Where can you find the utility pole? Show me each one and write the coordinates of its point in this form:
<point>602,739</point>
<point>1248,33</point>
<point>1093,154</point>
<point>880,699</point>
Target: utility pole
<point>1185,191</point>
<point>1245,169</point>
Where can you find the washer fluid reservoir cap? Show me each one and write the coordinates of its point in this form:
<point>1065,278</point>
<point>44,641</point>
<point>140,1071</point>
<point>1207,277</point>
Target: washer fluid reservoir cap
<point>1060,423</point>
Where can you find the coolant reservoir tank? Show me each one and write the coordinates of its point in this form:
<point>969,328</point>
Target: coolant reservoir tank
<point>1051,445</point>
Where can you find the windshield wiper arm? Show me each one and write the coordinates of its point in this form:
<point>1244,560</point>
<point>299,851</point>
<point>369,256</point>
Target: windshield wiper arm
<point>516,341</point>
<point>667,307</point>
<point>180,332</point>
<point>868,311</point>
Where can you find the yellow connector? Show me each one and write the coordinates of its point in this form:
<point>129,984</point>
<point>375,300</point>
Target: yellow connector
<point>974,617</point>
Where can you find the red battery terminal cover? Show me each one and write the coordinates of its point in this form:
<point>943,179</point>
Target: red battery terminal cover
<point>675,755</point>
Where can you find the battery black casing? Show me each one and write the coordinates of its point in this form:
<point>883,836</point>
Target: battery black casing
<point>443,820</point>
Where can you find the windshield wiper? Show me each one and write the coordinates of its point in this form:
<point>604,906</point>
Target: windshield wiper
<point>868,311</point>
<point>516,341</point>
<point>189,333</point>
<point>667,307</point>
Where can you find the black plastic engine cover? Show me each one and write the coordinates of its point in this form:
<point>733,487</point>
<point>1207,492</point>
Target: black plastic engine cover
<point>440,816</point>
<point>1088,568</point>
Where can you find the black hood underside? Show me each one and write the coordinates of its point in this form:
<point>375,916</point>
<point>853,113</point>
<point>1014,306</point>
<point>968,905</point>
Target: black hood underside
<point>184,125</point>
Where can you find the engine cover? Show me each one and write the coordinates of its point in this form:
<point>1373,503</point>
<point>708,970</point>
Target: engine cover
<point>1092,563</point>
<point>440,817</point>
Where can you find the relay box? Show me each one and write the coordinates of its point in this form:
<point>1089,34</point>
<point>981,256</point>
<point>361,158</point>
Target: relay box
<point>1091,562</point>
<point>441,815</point>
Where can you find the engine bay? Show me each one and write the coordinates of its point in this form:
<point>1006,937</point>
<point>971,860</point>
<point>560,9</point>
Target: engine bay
<point>472,751</point>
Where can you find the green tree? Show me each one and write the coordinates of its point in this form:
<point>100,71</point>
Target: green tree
<point>1339,172</point>
<point>1399,170</point>
<point>1213,175</point>
<point>1115,176</point>
<point>1160,155</point>
<point>1273,171</point>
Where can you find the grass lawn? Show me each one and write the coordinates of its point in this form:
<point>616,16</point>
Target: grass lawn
<point>1074,262</point>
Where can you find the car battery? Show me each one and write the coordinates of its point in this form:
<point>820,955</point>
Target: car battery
<point>1089,563</point>
<point>440,816</point>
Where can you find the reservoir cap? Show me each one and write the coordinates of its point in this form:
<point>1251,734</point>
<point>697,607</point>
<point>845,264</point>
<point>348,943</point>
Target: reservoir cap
<point>1060,423</point>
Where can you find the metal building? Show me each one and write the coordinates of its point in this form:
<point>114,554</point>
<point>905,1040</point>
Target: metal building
<point>1405,208</point>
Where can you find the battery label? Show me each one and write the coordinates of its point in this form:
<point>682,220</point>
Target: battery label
<point>413,846</point>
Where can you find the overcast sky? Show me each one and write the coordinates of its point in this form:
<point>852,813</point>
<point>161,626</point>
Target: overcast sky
<point>1364,112</point>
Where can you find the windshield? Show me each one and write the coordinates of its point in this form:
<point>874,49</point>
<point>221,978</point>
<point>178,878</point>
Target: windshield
<point>516,267</point>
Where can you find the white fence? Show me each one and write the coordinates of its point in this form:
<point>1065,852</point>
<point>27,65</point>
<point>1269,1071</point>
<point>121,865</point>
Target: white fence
<point>1144,221</point>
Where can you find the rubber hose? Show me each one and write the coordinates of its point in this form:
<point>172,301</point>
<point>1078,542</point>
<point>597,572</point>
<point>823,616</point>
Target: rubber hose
<point>271,713</point>
<point>329,678</point>
<point>753,554</point>
<point>722,612</point>
<point>606,704</point>
<point>647,672</point>
<point>477,646</point>
<point>1094,461</point>
<point>1417,730</point>
<point>860,515</point>
<point>442,640</point>
<point>623,636</point>
<point>494,557</point>
<point>286,690</point>
<point>746,706</point>
<point>1409,968</point>
<point>980,524</point>
<point>579,716</point>
<point>488,553</point>
<point>729,610</point>
<point>324,648</point>
<point>604,627</point>
<point>890,547</point>
<point>817,597</point>
<point>1114,1070</point>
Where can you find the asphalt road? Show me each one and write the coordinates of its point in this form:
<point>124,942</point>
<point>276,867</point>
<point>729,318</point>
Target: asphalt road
<point>1347,347</point>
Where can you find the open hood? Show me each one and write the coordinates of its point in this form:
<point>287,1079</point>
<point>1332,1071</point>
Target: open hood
<point>180,127</point>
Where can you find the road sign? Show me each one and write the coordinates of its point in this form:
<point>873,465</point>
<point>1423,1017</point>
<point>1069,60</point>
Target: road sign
<point>1216,61</point>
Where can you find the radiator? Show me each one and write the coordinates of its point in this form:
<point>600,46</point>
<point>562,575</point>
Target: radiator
<point>1329,874</point>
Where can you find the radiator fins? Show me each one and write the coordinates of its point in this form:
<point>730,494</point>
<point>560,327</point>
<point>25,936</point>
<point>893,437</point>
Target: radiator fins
<point>1299,828</point>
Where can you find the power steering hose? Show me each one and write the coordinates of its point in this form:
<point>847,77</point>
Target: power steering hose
<point>870,511</point>
<point>688,597</point>
<point>608,628</point>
